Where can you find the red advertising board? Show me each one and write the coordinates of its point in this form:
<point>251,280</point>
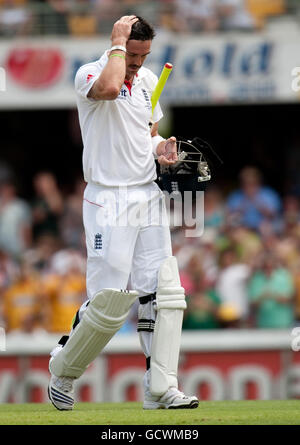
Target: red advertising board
<point>226,372</point>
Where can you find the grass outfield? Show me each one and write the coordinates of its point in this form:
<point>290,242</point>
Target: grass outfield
<point>276,412</point>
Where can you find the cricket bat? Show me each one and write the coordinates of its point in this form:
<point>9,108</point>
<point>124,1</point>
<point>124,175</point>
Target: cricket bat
<point>160,84</point>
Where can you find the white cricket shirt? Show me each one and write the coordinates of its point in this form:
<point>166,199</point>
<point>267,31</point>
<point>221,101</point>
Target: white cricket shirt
<point>116,133</point>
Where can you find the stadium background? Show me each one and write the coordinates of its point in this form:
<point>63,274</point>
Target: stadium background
<point>232,86</point>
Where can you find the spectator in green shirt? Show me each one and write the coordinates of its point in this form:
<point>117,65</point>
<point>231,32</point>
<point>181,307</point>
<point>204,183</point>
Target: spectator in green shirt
<point>202,307</point>
<point>271,292</point>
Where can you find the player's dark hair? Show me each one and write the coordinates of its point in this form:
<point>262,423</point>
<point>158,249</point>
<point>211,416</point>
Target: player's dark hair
<point>142,30</point>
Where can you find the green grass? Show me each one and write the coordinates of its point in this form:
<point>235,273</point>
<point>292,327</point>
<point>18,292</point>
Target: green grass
<point>275,412</point>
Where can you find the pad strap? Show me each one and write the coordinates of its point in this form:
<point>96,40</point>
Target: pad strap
<point>148,363</point>
<point>147,298</point>
<point>63,340</point>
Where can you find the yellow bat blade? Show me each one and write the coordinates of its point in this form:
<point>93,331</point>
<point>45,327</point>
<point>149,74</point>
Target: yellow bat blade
<point>160,84</point>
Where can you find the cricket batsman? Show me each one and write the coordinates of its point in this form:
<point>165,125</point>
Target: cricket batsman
<point>114,106</point>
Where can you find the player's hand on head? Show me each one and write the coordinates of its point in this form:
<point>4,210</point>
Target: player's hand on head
<point>167,154</point>
<point>122,29</point>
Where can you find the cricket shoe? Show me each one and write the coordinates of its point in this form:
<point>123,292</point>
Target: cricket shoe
<point>172,399</point>
<point>61,392</point>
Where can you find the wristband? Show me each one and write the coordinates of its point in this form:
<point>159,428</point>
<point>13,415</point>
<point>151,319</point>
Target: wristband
<point>119,47</point>
<point>117,55</point>
<point>155,142</point>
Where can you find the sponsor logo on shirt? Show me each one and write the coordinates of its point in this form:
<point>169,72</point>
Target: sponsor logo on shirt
<point>122,94</point>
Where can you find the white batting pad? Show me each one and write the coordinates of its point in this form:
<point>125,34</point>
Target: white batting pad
<point>104,316</point>
<point>171,303</point>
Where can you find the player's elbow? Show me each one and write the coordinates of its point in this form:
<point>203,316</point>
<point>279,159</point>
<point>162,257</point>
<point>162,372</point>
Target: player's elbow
<point>112,92</point>
<point>107,92</point>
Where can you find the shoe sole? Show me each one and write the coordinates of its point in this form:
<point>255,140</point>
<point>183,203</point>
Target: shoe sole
<point>192,405</point>
<point>59,409</point>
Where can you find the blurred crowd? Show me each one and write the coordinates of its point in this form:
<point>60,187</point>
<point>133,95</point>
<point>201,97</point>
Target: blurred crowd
<point>94,17</point>
<point>245,269</point>
<point>242,272</point>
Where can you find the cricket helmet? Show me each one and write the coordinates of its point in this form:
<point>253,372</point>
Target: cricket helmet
<point>193,169</point>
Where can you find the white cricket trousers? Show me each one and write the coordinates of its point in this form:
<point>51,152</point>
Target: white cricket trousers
<point>127,238</point>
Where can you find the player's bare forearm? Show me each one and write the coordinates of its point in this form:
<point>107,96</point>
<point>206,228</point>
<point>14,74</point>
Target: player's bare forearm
<point>154,129</point>
<point>110,81</point>
<point>108,84</point>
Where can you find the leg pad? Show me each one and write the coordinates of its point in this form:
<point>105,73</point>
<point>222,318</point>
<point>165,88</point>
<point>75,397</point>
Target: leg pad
<point>170,304</point>
<point>104,316</point>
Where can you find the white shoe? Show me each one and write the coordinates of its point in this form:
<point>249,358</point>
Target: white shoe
<point>172,399</point>
<point>61,392</point>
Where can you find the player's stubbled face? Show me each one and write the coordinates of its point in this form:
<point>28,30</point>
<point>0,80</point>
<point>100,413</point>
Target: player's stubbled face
<point>137,51</point>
